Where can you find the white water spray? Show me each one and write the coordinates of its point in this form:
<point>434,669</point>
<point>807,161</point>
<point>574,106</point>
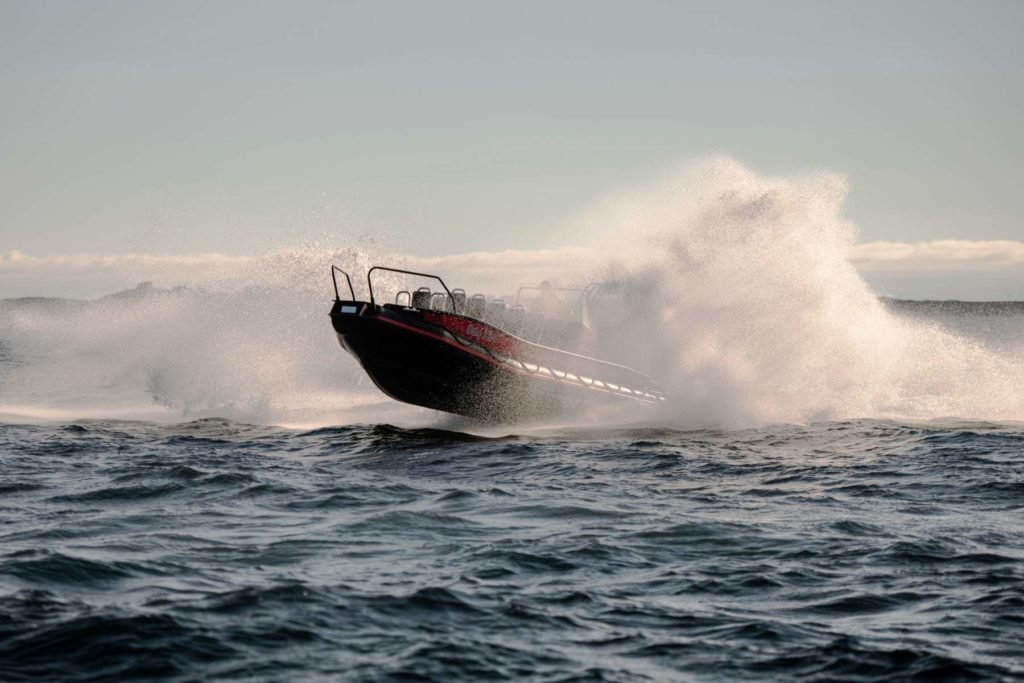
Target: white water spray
<point>749,311</point>
<point>734,291</point>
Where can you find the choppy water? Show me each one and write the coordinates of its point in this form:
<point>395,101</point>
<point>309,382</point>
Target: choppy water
<point>843,551</point>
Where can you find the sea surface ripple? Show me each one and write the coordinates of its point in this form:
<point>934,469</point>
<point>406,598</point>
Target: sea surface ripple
<point>841,551</point>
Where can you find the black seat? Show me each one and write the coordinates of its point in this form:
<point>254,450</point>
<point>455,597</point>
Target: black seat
<point>459,299</point>
<point>421,298</point>
<point>440,302</point>
<point>475,306</point>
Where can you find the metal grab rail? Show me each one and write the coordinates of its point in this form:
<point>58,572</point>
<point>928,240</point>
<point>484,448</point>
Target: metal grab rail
<point>369,281</point>
<point>334,278</point>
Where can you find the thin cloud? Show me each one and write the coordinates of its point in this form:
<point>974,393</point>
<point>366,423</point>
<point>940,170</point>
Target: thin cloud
<point>938,255</point>
<point>871,257</point>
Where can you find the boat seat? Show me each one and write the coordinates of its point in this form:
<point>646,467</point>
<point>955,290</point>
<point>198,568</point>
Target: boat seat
<point>475,306</point>
<point>495,313</point>
<point>421,298</point>
<point>459,299</point>
<point>408,298</point>
<point>440,302</point>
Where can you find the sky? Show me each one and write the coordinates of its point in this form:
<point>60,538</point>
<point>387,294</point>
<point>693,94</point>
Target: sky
<point>233,127</point>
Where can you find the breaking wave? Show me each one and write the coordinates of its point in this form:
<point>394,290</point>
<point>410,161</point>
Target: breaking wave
<point>746,306</point>
<point>732,289</point>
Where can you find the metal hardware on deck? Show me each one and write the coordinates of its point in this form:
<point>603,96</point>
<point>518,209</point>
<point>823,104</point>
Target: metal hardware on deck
<point>334,277</point>
<point>369,281</point>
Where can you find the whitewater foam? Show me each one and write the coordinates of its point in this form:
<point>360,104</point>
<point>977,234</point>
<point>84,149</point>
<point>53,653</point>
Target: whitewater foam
<point>734,290</point>
<point>757,315</point>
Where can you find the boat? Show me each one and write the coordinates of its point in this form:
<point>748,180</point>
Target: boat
<point>478,357</point>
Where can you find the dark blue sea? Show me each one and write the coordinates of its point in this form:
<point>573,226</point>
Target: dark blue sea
<point>212,549</point>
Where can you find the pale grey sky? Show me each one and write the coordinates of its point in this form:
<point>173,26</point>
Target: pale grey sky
<point>177,127</point>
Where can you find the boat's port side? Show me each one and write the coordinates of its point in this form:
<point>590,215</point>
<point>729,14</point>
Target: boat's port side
<point>514,354</point>
<point>420,350</point>
<point>543,362</point>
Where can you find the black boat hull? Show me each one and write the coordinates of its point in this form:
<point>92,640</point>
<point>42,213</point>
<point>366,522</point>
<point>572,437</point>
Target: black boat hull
<point>459,365</point>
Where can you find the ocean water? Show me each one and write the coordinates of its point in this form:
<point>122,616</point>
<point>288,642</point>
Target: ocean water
<point>197,483</point>
<point>859,550</point>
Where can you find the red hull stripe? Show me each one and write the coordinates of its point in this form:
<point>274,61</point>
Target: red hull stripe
<point>460,347</point>
<point>478,333</point>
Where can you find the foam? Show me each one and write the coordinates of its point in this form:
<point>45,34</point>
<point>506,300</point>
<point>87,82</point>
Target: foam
<point>735,292</point>
<point>750,312</point>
